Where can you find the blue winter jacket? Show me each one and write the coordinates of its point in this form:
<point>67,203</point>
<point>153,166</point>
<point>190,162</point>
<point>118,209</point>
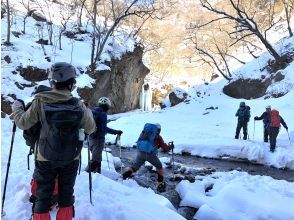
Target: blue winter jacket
<point>243,114</point>
<point>100,117</point>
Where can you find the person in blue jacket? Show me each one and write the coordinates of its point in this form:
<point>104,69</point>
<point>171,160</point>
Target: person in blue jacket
<point>265,117</point>
<point>243,115</point>
<point>97,139</point>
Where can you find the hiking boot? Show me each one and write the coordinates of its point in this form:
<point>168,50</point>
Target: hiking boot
<point>236,137</point>
<point>161,187</point>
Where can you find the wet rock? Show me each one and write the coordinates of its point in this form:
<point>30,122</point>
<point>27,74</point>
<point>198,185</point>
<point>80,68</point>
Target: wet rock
<point>185,153</point>
<point>190,178</point>
<point>42,41</point>
<point>177,96</point>
<point>7,59</point>
<point>176,177</point>
<point>187,212</point>
<point>208,188</point>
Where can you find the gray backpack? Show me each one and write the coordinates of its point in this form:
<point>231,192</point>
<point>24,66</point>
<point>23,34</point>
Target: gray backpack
<point>59,136</point>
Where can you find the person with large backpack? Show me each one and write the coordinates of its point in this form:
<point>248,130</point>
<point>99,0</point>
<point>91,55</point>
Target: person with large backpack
<point>243,115</point>
<point>59,146</point>
<point>148,144</point>
<point>273,124</point>
<point>31,137</point>
<point>97,139</point>
<point>265,118</point>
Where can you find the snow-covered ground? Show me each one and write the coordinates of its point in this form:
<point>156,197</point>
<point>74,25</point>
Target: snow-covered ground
<point>238,195</point>
<point>113,199</point>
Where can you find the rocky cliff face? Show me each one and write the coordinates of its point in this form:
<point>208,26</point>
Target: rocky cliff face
<point>122,84</point>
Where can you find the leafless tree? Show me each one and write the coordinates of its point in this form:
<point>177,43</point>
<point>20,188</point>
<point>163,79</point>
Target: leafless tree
<point>244,22</point>
<point>26,5</point>
<point>66,13</point>
<point>7,42</point>
<point>114,13</point>
<point>289,10</point>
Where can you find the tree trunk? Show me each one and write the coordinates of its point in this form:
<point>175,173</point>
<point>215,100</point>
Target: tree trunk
<point>59,39</point>
<point>24,24</point>
<point>268,46</point>
<point>93,61</point>
<point>8,24</point>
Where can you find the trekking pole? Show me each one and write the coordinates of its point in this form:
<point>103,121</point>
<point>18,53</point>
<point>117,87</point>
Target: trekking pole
<point>7,169</point>
<point>253,130</point>
<point>90,171</point>
<point>289,136</point>
<point>107,157</point>
<point>117,141</point>
<point>80,163</point>
<point>173,159</point>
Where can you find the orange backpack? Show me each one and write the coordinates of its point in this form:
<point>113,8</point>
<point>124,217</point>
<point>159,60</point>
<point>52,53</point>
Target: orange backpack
<point>274,119</point>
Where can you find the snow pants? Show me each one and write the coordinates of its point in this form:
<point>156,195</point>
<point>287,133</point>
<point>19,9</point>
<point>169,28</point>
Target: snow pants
<point>142,157</point>
<point>273,134</point>
<point>241,124</point>
<point>96,148</point>
<point>45,174</point>
<point>265,134</point>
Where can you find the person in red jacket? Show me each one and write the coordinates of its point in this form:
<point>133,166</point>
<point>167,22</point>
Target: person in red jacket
<point>151,158</point>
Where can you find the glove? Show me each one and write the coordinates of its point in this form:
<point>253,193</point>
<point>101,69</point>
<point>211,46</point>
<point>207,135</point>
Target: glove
<point>119,132</point>
<point>17,104</point>
<point>255,118</point>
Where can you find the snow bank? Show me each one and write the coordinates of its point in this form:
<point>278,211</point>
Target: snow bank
<point>112,199</point>
<point>238,195</point>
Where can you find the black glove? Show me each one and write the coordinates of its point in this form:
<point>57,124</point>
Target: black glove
<point>171,145</point>
<point>119,132</point>
<point>255,118</point>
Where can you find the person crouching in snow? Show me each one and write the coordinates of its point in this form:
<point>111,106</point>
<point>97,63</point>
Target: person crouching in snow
<point>273,125</point>
<point>148,144</point>
<point>97,139</point>
<point>243,115</point>
<point>265,118</point>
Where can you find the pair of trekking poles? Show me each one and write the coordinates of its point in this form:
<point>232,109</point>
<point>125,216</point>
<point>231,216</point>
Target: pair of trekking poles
<point>89,164</point>
<point>264,128</point>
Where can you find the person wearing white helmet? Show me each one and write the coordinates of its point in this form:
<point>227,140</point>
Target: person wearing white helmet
<point>265,117</point>
<point>97,139</point>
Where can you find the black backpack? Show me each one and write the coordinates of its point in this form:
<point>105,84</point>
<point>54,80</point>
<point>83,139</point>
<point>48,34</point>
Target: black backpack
<point>59,136</point>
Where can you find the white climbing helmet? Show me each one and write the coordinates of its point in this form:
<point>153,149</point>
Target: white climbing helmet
<point>158,126</point>
<point>104,101</point>
<point>268,107</point>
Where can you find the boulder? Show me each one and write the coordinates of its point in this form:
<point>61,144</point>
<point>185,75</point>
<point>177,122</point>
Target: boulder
<point>39,17</point>
<point>122,84</point>
<point>251,88</point>
<point>32,74</point>
<point>5,107</point>
<point>177,96</point>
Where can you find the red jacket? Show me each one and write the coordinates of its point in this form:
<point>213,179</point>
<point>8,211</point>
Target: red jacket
<point>159,143</point>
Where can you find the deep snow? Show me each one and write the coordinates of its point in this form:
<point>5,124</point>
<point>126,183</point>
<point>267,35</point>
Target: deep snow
<point>238,195</point>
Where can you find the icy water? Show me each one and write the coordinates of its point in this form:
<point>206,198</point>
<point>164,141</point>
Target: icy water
<point>187,167</point>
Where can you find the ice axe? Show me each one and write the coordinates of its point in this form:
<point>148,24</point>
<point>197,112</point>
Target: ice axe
<point>7,170</point>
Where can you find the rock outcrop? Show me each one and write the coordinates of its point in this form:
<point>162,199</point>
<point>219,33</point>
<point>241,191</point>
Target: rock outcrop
<point>122,84</point>
<point>251,88</point>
